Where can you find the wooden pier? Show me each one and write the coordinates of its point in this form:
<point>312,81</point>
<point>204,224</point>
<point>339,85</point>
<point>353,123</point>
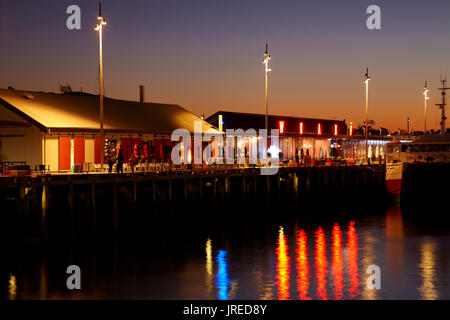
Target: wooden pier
<point>76,206</point>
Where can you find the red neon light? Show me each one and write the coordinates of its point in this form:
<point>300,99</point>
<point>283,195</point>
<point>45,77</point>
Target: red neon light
<point>281,126</point>
<point>319,129</point>
<point>335,129</point>
<point>301,127</point>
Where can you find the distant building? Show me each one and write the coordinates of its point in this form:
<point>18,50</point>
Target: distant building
<point>61,130</point>
<point>318,138</point>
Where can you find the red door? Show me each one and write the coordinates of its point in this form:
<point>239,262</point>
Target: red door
<point>79,150</point>
<point>64,153</point>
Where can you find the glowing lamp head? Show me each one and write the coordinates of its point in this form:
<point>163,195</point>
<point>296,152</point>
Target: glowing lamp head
<point>319,129</point>
<point>300,129</point>
<point>335,129</point>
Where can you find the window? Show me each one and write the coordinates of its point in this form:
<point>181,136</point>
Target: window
<point>390,149</point>
<point>403,147</point>
<point>416,147</point>
<point>444,147</point>
<point>427,147</point>
<point>436,147</point>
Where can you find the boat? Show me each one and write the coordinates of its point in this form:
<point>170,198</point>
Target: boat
<point>427,150</point>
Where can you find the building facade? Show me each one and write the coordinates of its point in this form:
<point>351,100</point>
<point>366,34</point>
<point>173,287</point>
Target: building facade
<point>61,131</point>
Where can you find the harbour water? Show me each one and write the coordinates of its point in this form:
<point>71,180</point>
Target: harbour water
<point>315,253</point>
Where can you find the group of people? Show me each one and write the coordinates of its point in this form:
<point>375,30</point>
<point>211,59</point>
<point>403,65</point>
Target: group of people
<point>118,158</point>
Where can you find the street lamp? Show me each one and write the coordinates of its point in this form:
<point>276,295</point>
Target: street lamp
<point>366,81</point>
<point>267,70</point>
<point>425,93</point>
<point>99,28</point>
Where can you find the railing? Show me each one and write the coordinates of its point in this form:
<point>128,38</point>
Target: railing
<point>4,165</point>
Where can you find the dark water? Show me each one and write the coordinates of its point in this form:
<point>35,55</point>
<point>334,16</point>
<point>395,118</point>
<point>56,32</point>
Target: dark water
<point>304,255</point>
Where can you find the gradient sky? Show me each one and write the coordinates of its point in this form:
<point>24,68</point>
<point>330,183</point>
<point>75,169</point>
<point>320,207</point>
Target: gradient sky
<point>206,55</point>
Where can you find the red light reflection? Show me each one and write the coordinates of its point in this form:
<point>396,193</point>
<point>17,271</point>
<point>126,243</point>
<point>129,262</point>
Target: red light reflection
<point>302,266</point>
<point>352,245</point>
<point>321,264</point>
<point>338,266</point>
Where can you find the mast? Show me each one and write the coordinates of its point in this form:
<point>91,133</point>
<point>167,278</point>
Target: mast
<point>442,105</point>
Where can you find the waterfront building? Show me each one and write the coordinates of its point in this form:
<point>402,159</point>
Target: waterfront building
<point>318,138</point>
<point>61,131</point>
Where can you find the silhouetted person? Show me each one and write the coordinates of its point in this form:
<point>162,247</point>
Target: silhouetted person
<point>110,161</point>
<point>119,158</point>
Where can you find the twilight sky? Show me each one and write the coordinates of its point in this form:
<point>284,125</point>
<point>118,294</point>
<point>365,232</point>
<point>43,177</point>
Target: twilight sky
<point>206,55</point>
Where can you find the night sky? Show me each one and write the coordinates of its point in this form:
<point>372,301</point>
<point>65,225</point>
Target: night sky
<point>206,55</point>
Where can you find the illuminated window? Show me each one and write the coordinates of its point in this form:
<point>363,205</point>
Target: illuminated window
<point>319,129</point>
<point>335,129</point>
<point>281,126</point>
<point>301,127</point>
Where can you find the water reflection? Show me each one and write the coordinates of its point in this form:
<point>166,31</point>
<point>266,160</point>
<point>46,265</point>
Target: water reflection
<point>327,261</point>
<point>302,266</point>
<point>222,280</point>
<point>209,266</point>
<point>338,266</point>
<point>12,287</point>
<point>428,270</point>
<point>321,264</point>
<point>368,259</point>
<point>352,250</point>
<point>283,267</point>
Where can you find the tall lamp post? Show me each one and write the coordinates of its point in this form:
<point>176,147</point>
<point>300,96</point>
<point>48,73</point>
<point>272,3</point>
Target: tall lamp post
<point>99,28</point>
<point>267,70</point>
<point>425,93</point>
<point>366,81</point>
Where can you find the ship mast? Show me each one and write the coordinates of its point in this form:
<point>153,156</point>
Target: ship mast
<point>443,104</point>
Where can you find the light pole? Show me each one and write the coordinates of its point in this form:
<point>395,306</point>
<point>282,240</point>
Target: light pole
<point>267,70</point>
<point>366,81</point>
<point>99,28</point>
<point>425,93</point>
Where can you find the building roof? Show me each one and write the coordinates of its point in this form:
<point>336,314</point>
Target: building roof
<point>79,112</point>
<point>240,120</point>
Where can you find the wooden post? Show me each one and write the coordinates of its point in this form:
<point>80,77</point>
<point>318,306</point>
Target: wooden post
<point>71,209</point>
<point>20,194</point>
<point>308,179</point>
<point>44,210</point>
<point>116,213</point>
<point>244,188</point>
<point>154,190</point>
<point>94,207</point>
<point>134,189</point>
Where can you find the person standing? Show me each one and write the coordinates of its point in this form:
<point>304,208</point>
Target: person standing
<point>119,158</point>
